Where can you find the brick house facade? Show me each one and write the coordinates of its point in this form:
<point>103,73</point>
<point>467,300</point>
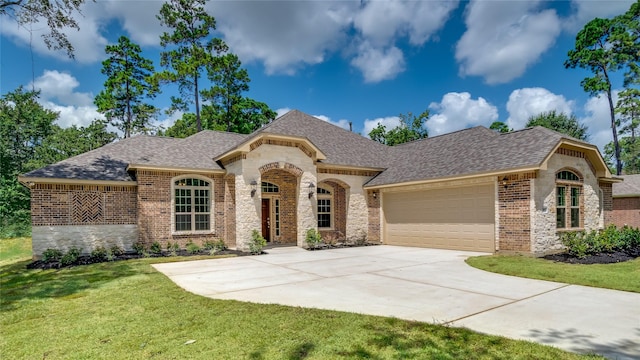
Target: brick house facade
<point>479,191</point>
<point>625,205</point>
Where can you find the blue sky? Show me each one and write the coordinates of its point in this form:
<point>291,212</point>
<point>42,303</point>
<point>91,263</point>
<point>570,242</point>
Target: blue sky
<point>469,62</point>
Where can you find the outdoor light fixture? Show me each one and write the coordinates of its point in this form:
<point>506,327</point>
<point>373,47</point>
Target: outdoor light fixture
<point>312,189</point>
<point>254,187</point>
<point>504,181</point>
<point>375,195</point>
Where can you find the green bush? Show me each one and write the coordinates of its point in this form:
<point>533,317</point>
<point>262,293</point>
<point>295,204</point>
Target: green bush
<point>19,228</point>
<point>70,257</point>
<point>192,248</point>
<point>139,247</point>
<point>156,248</point>
<point>313,239</point>
<point>100,254</point>
<point>51,255</point>
<point>257,242</point>
<point>608,240</point>
<point>214,246</point>
<point>116,250</point>
<point>173,248</point>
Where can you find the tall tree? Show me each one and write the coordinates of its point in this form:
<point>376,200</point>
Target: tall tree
<point>127,85</point>
<point>628,110</point>
<point>57,13</point>
<point>604,46</point>
<point>560,122</point>
<point>24,126</point>
<point>188,50</point>
<point>411,128</point>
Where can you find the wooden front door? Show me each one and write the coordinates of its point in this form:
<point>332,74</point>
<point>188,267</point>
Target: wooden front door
<point>266,220</point>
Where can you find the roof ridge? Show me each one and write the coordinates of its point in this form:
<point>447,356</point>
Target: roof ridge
<point>446,134</point>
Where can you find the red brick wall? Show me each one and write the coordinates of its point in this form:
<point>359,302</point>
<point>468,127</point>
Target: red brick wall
<point>61,204</point>
<point>154,209</point>
<point>514,200</point>
<point>626,211</point>
<point>607,202</point>
<point>339,213</point>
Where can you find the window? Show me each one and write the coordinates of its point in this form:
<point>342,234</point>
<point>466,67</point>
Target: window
<point>277,215</point>
<point>568,193</point>
<point>192,205</point>
<point>325,200</point>
<point>269,188</point>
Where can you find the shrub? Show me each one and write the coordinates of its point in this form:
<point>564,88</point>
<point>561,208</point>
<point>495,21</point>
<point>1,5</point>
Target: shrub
<point>257,242</point>
<point>51,255</point>
<point>313,239</point>
<point>575,244</point>
<point>139,247</point>
<point>100,254</point>
<point>156,248</point>
<point>608,240</point>
<point>70,257</point>
<point>173,248</point>
<point>214,246</point>
<point>192,248</point>
<point>116,250</point>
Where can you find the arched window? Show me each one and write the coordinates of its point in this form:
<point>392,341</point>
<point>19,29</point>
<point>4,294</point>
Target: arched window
<point>325,206</point>
<point>192,204</point>
<point>269,187</point>
<point>568,200</point>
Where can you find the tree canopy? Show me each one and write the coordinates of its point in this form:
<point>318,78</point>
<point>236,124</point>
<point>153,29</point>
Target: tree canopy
<point>411,128</point>
<point>560,122</point>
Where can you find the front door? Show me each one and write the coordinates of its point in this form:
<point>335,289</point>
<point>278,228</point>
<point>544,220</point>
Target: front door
<point>266,221</point>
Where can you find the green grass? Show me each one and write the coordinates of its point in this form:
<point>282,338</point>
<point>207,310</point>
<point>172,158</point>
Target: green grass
<point>12,250</point>
<point>618,276</point>
<point>127,310</point>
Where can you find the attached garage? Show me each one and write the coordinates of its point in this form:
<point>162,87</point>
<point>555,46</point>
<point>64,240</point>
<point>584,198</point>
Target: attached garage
<point>457,218</point>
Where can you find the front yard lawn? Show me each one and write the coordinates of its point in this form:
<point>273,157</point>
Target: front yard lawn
<point>617,276</point>
<point>127,310</point>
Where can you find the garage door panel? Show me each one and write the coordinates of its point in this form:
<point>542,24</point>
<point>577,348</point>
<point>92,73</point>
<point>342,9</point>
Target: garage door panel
<point>453,218</point>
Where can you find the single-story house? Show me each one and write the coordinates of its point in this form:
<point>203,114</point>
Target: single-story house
<point>626,201</point>
<point>473,189</point>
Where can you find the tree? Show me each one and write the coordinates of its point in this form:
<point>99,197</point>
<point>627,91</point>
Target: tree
<point>628,110</point>
<point>604,46</point>
<point>560,122</point>
<point>182,128</point>
<point>127,85</point>
<point>411,128</point>
<point>500,127</point>
<point>630,155</point>
<point>229,80</point>
<point>24,125</point>
<point>191,50</point>
<point>57,13</point>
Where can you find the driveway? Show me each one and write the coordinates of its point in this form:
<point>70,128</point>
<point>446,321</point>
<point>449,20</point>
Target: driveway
<point>430,285</point>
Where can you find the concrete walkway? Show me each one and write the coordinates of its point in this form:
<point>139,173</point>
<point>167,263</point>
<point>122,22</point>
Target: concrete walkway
<point>434,286</point>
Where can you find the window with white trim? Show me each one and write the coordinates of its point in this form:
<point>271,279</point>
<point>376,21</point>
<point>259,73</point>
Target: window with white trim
<point>268,187</point>
<point>325,207</point>
<point>192,205</point>
<point>568,191</point>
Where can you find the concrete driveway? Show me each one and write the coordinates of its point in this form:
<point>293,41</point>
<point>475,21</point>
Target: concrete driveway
<point>428,285</point>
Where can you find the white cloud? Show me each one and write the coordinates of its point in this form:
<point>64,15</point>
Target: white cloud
<point>343,123</point>
<point>168,121</point>
<point>73,115</point>
<point>586,10</point>
<point>503,38</point>
<point>388,122</point>
<point>527,102</point>
<point>458,111</point>
<point>598,120</point>
<point>282,111</point>
<point>138,18</point>
<point>378,64</point>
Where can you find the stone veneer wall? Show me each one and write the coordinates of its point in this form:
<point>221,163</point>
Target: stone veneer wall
<point>514,209</point>
<point>545,235</point>
<point>82,216</point>
<point>626,211</point>
<point>154,209</point>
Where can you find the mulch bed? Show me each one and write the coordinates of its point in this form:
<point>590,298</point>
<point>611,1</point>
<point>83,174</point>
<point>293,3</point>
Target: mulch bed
<point>341,245</point>
<point>86,259</point>
<point>601,258</point>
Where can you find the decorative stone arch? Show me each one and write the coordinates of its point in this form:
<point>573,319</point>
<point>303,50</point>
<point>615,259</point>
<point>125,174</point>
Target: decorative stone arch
<point>336,181</point>
<point>288,167</point>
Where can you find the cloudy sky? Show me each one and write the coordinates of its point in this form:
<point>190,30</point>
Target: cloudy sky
<point>468,62</point>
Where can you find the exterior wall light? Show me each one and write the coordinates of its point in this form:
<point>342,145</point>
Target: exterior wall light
<point>504,181</point>
<point>375,194</point>
<point>254,187</point>
<point>312,190</point>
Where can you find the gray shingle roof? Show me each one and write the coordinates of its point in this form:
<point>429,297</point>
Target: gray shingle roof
<point>108,162</point>
<point>195,152</point>
<point>467,152</point>
<point>629,187</point>
<point>341,147</point>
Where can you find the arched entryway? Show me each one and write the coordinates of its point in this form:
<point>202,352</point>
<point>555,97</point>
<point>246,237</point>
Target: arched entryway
<point>279,191</point>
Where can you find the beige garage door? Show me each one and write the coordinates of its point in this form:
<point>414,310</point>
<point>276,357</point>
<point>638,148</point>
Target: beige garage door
<point>453,218</point>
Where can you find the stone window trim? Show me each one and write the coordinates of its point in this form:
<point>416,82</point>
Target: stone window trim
<point>323,193</point>
<point>573,198</point>
<point>193,222</point>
